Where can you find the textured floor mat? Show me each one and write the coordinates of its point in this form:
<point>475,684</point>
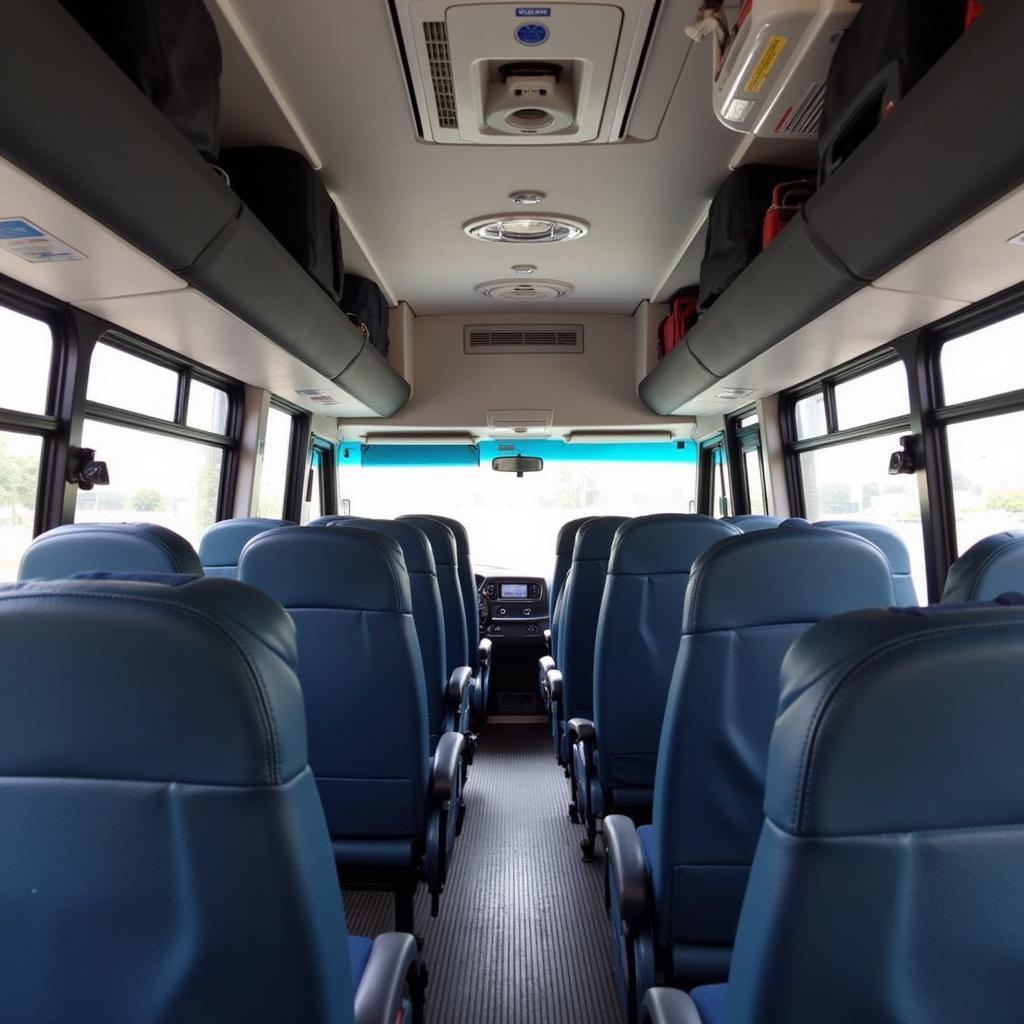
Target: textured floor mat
<point>521,937</point>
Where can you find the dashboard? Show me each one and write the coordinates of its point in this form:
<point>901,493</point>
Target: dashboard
<point>513,607</point>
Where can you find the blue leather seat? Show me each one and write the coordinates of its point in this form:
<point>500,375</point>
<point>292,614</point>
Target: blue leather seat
<point>478,651</point>
<point>993,566</point>
<point>392,812</point>
<point>165,857</point>
<point>748,599</point>
<point>108,547</point>
<point>327,520</point>
<point>570,687</point>
<point>752,523</point>
<point>445,697</point>
<point>893,547</point>
<point>614,756</point>
<point>886,884</point>
<point>221,545</point>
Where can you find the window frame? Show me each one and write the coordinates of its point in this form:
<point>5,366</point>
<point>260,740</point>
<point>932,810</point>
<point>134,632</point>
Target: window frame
<point>706,470</point>
<point>298,456</point>
<point>327,451</point>
<point>741,440</point>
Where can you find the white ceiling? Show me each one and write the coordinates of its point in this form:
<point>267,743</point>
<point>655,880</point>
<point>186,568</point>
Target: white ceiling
<point>339,92</point>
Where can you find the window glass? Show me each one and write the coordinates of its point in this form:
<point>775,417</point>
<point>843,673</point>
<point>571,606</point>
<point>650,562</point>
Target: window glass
<point>721,499</point>
<point>988,476</point>
<point>207,408</point>
<point>748,421</point>
<point>20,455</point>
<point>985,362</point>
<point>129,382</point>
<point>881,394</point>
<point>810,416</point>
<point>315,484</point>
<point>755,489</point>
<point>274,474</point>
<point>851,481</point>
<point>26,352</point>
<point>153,479</point>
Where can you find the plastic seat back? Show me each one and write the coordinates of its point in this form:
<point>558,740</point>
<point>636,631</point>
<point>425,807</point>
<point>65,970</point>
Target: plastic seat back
<point>221,545</point>
<point>748,599</point>
<point>993,566</point>
<point>347,591</point>
<point>894,548</point>
<point>637,640</point>
<point>165,856</point>
<point>108,547</point>
<point>890,853</point>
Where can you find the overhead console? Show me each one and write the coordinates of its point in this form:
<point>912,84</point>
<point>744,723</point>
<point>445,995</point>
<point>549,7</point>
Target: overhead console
<point>513,607</point>
<point>839,275</point>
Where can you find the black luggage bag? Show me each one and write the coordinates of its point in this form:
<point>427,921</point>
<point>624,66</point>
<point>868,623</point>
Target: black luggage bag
<point>284,191</point>
<point>171,51</point>
<point>887,49</point>
<point>365,305</point>
<point>736,225</point>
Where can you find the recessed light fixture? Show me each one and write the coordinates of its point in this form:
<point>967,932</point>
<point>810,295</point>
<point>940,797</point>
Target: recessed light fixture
<point>523,268</point>
<point>730,394</point>
<point>527,198</point>
<point>520,291</point>
<point>526,230</point>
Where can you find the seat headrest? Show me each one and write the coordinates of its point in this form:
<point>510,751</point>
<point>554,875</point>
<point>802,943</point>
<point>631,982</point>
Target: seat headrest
<point>594,539</point>
<point>442,540</point>
<point>340,568</point>
<point>752,523</point>
<point>108,547</point>
<point>327,520</point>
<point>191,683</point>
<point>222,543</point>
<point>795,574</point>
<point>566,540</point>
<point>900,721</point>
<point>415,545</point>
<point>665,543</point>
<point>885,537</point>
<point>989,568</point>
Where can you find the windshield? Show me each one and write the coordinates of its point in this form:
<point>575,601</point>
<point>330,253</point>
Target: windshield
<point>513,522</point>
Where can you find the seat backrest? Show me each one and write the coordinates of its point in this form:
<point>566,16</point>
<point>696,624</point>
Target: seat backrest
<point>752,523</point>
<point>221,545</point>
<point>892,546</point>
<point>108,547</point>
<point>426,611</point>
<point>446,560</point>
<point>581,605</point>
<point>467,587</point>
<point>637,640</point>
<point>347,591</point>
<point>890,854</point>
<point>165,855</point>
<point>993,566</point>
<point>329,520</point>
<point>748,599</point>
<point>564,545</point>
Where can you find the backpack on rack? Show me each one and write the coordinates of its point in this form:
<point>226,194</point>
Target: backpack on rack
<point>682,315</point>
<point>787,199</point>
<point>365,305</point>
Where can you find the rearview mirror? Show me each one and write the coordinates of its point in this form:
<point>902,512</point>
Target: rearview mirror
<point>518,464</point>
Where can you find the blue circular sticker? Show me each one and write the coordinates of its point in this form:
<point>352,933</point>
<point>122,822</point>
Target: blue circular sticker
<point>531,34</point>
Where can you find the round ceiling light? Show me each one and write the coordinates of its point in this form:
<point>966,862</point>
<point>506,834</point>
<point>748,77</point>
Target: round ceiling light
<point>524,291</point>
<point>527,197</point>
<point>523,268</point>
<point>526,230</point>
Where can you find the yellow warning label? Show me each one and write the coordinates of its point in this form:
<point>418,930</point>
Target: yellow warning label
<point>772,49</point>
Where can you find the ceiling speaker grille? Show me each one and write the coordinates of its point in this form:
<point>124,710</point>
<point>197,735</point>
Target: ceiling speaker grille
<point>436,35</point>
<point>564,338</point>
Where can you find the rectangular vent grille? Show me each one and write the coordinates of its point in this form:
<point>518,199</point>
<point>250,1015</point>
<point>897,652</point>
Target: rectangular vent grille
<point>436,35</point>
<point>526,339</point>
<point>806,117</point>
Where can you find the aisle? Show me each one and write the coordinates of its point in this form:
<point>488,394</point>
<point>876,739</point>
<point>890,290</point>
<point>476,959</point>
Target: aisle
<point>521,938</point>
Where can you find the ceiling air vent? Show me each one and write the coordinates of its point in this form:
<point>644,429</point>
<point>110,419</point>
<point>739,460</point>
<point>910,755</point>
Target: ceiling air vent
<point>435,35</point>
<point>531,338</point>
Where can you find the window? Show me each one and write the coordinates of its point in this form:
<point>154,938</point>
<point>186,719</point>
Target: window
<point>846,427</point>
<point>26,354</point>
<point>715,487</point>
<point>314,488</point>
<point>320,496</point>
<point>744,432</point>
<point>755,481</point>
<point>982,376</point>
<point>276,455</point>
<point>164,435</point>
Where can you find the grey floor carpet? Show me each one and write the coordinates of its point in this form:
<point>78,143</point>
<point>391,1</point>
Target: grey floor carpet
<point>521,937</point>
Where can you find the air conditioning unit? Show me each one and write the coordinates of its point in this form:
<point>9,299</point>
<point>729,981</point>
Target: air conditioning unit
<point>500,73</point>
<point>769,76</point>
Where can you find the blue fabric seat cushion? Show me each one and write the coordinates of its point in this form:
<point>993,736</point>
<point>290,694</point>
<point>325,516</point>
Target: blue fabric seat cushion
<point>359,950</point>
<point>710,1000</point>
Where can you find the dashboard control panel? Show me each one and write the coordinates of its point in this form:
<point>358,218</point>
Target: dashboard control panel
<point>513,607</point>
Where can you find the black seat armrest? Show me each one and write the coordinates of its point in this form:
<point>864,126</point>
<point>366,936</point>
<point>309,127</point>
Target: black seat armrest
<point>445,777</point>
<point>483,652</point>
<point>383,985</point>
<point>668,1006</point>
<point>553,682</point>
<point>458,685</point>
<point>582,730</point>
<point>627,869</point>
